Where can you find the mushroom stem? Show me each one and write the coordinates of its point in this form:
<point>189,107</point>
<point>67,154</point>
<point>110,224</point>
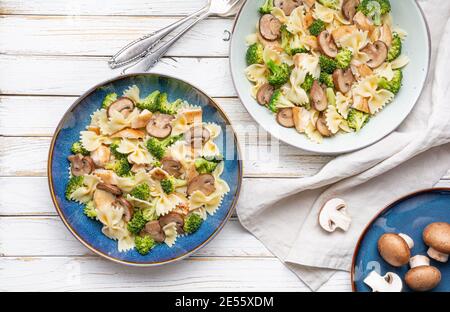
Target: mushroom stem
<point>341,219</point>
<point>390,282</point>
<point>437,255</point>
<point>419,260</point>
<point>409,241</point>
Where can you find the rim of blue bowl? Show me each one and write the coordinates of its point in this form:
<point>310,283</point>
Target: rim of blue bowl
<point>238,15</point>
<point>382,211</point>
<point>74,232</point>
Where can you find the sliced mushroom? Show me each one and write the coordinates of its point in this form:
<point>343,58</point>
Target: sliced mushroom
<point>321,126</point>
<point>101,156</point>
<point>172,166</point>
<point>128,210</point>
<point>437,237</point>
<point>394,249</point>
<point>349,8</point>
<point>377,53</point>
<point>287,5</point>
<point>81,165</point>
<point>334,215</point>
<point>285,117</point>
<point>203,183</point>
<point>109,188</point>
<point>158,174</point>
<point>264,94</point>
<point>270,27</point>
<point>173,217</point>
<point>159,126</point>
<point>141,167</point>
<point>343,80</point>
<point>154,229</point>
<point>390,282</point>
<point>363,23</point>
<point>318,97</point>
<point>123,105</point>
<point>422,276</point>
<point>327,44</point>
<point>196,135</point>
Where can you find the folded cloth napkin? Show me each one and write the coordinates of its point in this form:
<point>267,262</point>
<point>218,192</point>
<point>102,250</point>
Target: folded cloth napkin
<point>413,157</point>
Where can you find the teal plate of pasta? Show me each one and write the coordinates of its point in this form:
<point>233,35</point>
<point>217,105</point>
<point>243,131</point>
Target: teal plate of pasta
<point>330,76</point>
<point>144,169</point>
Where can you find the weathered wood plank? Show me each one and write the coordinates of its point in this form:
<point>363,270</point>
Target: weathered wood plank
<point>50,75</point>
<point>97,8</point>
<point>27,156</point>
<point>47,236</point>
<point>103,36</point>
<point>193,274</point>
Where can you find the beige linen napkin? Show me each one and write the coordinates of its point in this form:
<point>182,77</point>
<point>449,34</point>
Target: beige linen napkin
<point>413,157</point>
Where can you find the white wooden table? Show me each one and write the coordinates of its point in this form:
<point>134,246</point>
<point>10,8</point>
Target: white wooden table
<point>50,53</point>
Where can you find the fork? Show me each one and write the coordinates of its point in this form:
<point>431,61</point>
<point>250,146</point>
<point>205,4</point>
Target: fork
<point>146,58</point>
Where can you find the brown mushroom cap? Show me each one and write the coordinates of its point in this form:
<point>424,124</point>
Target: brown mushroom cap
<point>159,126</point>
<point>327,44</point>
<point>196,135</point>
<point>377,53</point>
<point>173,217</point>
<point>285,117</point>
<point>287,5</point>
<point>437,236</point>
<point>128,210</point>
<point>269,27</point>
<point>423,278</point>
<point>318,97</point>
<point>123,105</point>
<point>343,80</point>
<point>394,249</point>
<point>264,94</point>
<point>349,8</point>
<point>109,188</point>
<point>321,126</point>
<point>154,229</point>
<point>172,166</point>
<point>203,183</point>
<point>81,165</point>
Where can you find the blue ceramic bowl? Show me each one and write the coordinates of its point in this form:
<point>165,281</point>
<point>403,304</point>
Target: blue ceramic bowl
<point>409,215</point>
<point>88,231</point>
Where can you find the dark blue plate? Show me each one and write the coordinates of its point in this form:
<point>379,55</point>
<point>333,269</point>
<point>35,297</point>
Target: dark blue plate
<point>88,231</point>
<point>409,215</point>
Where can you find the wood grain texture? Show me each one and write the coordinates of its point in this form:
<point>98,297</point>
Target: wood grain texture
<point>192,274</point>
<point>105,35</point>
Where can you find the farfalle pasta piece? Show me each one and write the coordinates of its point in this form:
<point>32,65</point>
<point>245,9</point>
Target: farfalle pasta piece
<point>85,193</point>
<point>365,93</point>
<point>256,73</point>
<point>400,62</point>
<point>136,151</point>
<point>91,140</point>
<point>279,14</point>
<point>309,63</point>
<point>355,41</point>
<point>251,39</point>
<point>295,22</point>
<point>166,203</point>
<point>214,129</point>
<point>312,133</point>
<point>343,104</point>
<point>133,93</point>
<point>270,54</point>
<point>170,231</point>
<point>385,71</point>
<point>333,119</point>
<point>328,15</point>
<point>117,121</point>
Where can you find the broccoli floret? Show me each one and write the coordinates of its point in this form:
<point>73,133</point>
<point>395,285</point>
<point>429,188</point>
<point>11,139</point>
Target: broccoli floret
<point>357,119</point>
<point>327,64</point>
<point>73,184</point>
<point>396,48</point>
<point>141,191</point>
<point>89,210</point>
<point>266,7</point>
<point>151,102</point>
<point>394,85</point>
<point>203,165</point>
<point>158,147</point>
<point>167,107</point>
<point>144,244</point>
<point>307,84</point>
<point>279,74</point>
<point>77,148</point>
<point>375,9</point>
<point>192,223</point>
<point>170,184</point>
<point>109,99</point>
<point>332,4</point>
<point>278,100</point>
<point>136,223</point>
<point>254,54</point>
<point>326,79</point>
<point>120,166</point>
<point>343,58</point>
<point>317,27</point>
